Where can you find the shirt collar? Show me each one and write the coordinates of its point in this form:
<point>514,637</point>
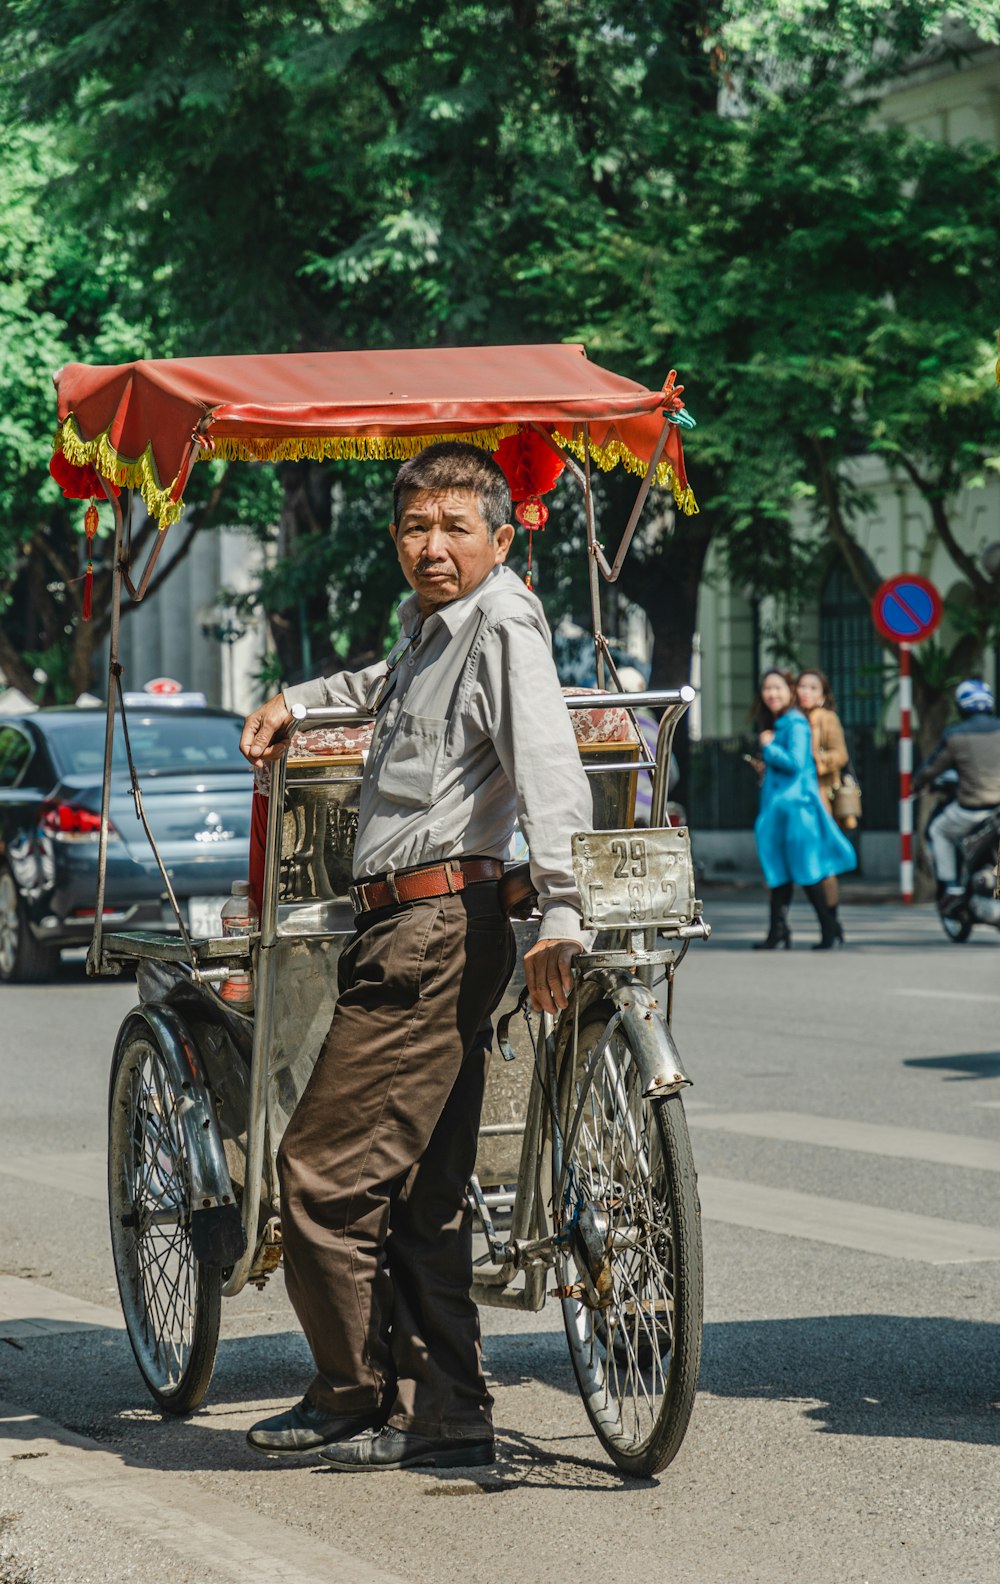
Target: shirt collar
<point>455,614</point>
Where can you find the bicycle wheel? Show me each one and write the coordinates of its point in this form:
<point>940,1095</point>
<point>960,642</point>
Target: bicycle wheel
<point>626,1196</point>
<point>171,1303</point>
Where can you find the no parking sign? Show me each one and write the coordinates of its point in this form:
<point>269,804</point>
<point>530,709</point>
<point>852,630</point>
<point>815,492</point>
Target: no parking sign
<point>906,609</point>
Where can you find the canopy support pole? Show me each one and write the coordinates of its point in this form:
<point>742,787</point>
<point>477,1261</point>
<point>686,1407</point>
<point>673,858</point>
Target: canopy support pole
<point>611,570</point>
<point>96,949</point>
<point>138,590</point>
<point>593,551</point>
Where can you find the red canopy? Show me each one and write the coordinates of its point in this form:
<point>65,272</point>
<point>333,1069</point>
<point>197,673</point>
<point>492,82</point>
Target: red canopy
<point>135,422</point>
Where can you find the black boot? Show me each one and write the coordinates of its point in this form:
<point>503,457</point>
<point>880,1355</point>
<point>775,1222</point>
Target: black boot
<point>778,933</point>
<point>830,932</point>
<point>838,928</point>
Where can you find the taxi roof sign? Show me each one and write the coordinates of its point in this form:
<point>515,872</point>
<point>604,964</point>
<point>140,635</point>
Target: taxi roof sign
<point>906,609</point>
<point>162,686</point>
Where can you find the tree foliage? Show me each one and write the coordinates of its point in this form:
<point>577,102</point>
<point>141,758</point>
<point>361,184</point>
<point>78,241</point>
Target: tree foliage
<point>341,173</point>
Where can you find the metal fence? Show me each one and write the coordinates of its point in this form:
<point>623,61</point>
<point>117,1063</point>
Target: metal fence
<point>722,789</point>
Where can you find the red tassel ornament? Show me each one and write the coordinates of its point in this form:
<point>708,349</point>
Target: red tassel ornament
<point>90,521</point>
<point>532,514</point>
<point>531,468</point>
<point>78,483</point>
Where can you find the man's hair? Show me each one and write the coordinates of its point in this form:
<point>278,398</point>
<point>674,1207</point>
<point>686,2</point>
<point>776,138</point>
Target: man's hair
<point>455,465</point>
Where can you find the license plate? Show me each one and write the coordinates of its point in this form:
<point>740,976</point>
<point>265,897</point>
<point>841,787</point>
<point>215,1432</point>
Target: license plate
<point>631,880</point>
<point>205,916</point>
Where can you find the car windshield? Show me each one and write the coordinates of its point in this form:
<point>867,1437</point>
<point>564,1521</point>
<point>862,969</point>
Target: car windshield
<point>162,744</point>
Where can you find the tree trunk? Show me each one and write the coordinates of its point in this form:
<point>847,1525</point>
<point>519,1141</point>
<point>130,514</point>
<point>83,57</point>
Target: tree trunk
<point>665,585</point>
<point>300,629</point>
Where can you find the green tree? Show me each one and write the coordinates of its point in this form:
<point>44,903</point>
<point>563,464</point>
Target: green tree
<point>853,279</point>
<point>335,173</point>
<point>61,297</point>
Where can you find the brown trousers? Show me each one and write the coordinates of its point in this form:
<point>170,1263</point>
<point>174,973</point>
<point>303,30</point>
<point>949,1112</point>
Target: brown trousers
<point>375,1161</point>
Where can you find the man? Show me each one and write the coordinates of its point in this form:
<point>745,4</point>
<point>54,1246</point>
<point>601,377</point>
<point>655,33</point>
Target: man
<point>972,747</point>
<point>470,732</point>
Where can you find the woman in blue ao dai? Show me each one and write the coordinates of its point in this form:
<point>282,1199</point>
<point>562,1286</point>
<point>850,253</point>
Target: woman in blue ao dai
<point>798,842</point>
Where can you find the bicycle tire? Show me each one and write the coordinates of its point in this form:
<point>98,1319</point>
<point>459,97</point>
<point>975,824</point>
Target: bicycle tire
<point>172,1304</point>
<point>636,1360</point>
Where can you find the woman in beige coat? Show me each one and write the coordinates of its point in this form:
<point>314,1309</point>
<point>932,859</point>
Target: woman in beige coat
<point>816,701</point>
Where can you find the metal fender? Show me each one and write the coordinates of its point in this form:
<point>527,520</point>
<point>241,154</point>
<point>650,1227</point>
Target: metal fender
<point>217,1236</point>
<point>649,1038</point>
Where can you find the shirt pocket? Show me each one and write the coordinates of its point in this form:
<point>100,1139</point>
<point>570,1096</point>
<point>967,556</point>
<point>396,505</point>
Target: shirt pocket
<point>411,769</point>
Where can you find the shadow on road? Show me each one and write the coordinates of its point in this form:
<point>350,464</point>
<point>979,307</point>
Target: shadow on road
<point>882,1375</point>
<point>868,1375</point>
<point>960,1068</point>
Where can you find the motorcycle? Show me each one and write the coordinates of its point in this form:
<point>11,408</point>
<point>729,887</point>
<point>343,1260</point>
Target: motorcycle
<point>977,868</point>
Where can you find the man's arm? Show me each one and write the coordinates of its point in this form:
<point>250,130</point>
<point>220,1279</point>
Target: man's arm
<point>346,689</point>
<point>941,759</point>
<point>531,729</point>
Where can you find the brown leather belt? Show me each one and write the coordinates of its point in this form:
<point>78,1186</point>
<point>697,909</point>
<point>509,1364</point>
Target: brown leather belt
<point>413,885</point>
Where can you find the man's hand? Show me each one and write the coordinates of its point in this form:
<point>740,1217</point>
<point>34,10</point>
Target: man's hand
<point>262,726</point>
<point>549,975</point>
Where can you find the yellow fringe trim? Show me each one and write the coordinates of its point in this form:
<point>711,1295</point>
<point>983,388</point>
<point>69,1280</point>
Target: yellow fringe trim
<point>140,474</point>
<point>609,456</point>
<point>346,448</point>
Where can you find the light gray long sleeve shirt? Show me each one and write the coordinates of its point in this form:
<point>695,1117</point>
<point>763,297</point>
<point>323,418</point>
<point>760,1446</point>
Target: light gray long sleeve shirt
<point>472,733</point>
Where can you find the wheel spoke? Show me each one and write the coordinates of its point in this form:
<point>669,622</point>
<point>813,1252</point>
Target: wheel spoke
<point>616,1171</point>
<point>161,1285</point>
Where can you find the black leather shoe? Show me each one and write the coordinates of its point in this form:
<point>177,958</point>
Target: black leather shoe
<point>400,1449</point>
<point>306,1428</point>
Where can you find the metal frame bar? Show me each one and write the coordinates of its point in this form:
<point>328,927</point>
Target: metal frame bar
<point>612,570</point>
<point>263,1033</point>
<point>95,950</point>
<point>121,574</point>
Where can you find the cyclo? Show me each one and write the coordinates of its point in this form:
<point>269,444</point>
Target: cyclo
<point>585,1176</point>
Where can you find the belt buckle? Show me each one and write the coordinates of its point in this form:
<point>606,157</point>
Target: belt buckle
<point>356,899</point>
<point>452,872</point>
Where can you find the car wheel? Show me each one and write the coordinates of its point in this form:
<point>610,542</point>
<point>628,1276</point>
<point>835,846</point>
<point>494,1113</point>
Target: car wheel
<point>23,960</point>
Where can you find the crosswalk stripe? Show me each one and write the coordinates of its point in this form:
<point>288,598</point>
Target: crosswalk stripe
<point>80,1172</point>
<point>946,995</point>
<point>28,1309</point>
<point>868,1138</point>
<point>784,1211</point>
<point>896,1234</point>
<point>177,1519</point>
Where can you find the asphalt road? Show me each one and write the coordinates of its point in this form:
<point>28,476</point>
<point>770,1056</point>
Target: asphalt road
<point>845,1116</point>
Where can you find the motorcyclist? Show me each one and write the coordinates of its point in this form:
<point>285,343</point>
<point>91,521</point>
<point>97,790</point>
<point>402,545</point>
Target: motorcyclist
<point>972,748</point>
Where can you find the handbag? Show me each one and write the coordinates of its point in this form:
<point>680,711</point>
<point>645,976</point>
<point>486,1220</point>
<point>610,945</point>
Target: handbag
<point>847,799</point>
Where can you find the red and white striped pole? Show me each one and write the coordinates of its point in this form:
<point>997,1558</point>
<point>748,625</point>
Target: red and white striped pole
<point>905,776</point>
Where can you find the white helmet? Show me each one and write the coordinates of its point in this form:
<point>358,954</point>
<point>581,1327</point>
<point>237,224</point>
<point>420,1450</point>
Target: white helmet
<point>974,697</point>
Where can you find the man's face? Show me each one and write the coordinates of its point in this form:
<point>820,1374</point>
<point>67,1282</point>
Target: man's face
<point>444,546</point>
